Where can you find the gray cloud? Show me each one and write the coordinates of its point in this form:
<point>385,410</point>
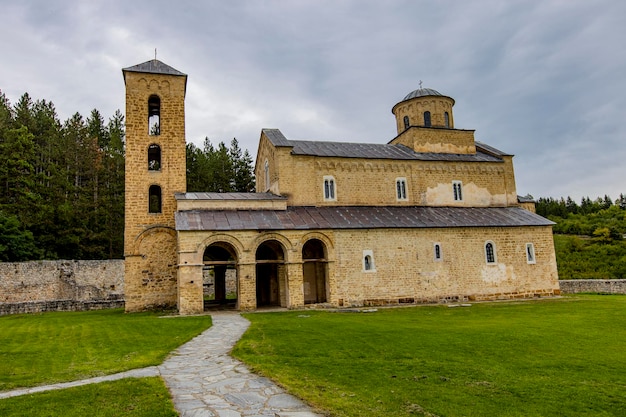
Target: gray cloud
<point>540,79</point>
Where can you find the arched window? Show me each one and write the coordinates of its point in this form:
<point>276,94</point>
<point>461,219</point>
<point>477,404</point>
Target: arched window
<point>267,175</point>
<point>530,253</point>
<point>154,157</point>
<point>401,189</point>
<point>406,122</point>
<point>446,119</point>
<point>368,261</point>
<point>437,250</point>
<point>154,115</point>
<point>154,199</point>
<point>427,119</point>
<point>490,252</point>
<point>329,188</point>
<point>457,190</point>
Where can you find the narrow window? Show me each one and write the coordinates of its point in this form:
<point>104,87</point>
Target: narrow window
<point>154,115</point>
<point>490,253</point>
<point>457,189</point>
<point>154,202</point>
<point>427,119</point>
<point>530,253</point>
<point>406,122</point>
<point>437,250</point>
<point>267,175</point>
<point>154,157</point>
<point>329,188</point>
<point>368,260</point>
<point>401,189</point>
<point>446,119</point>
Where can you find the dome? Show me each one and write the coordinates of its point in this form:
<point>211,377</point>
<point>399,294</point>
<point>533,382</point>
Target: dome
<point>422,92</point>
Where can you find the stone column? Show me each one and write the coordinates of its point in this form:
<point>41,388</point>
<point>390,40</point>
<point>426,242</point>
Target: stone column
<point>295,285</point>
<point>190,295</point>
<point>247,286</point>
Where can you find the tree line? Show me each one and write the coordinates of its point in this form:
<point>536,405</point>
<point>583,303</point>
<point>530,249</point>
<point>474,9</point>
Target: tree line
<point>62,183</point>
<point>588,237</point>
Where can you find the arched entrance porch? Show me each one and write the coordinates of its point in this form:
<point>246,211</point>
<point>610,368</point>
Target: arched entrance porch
<point>270,275</point>
<point>314,271</point>
<point>220,276</point>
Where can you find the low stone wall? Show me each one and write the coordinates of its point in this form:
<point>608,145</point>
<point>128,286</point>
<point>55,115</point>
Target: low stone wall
<point>603,286</point>
<point>30,287</point>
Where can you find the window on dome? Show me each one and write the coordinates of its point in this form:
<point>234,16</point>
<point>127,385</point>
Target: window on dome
<point>446,119</point>
<point>427,122</point>
<point>406,122</point>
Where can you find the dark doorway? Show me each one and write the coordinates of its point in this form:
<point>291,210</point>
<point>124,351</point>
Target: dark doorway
<point>270,275</point>
<point>314,268</point>
<point>220,281</point>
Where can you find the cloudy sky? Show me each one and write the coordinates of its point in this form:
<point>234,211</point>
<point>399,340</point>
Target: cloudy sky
<point>544,80</point>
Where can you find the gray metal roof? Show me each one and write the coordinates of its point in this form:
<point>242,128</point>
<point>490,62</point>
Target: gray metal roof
<point>154,66</point>
<point>382,151</point>
<point>276,137</point>
<point>422,92</point>
<point>384,217</point>
<point>228,196</point>
<point>490,149</point>
<point>484,153</point>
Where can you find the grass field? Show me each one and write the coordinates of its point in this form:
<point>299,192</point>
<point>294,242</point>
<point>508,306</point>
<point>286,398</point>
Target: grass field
<point>562,357</point>
<point>131,397</point>
<point>40,349</point>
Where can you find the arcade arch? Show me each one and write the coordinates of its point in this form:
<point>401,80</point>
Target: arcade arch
<point>220,275</point>
<point>315,271</point>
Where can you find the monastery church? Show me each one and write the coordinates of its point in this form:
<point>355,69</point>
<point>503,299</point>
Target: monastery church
<point>429,216</point>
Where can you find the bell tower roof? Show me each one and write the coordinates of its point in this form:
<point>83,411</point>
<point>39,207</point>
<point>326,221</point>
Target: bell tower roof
<point>154,66</point>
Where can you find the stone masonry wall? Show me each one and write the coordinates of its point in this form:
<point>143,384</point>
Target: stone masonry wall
<point>28,287</point>
<point>603,286</point>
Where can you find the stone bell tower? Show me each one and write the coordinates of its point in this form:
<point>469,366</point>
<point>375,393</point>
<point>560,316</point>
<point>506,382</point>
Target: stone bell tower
<point>155,171</point>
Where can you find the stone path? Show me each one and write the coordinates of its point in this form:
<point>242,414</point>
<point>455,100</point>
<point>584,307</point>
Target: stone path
<point>206,382</point>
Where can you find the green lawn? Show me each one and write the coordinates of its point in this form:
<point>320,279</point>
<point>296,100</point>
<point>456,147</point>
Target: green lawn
<point>130,397</point>
<point>564,357</point>
<point>40,349</point>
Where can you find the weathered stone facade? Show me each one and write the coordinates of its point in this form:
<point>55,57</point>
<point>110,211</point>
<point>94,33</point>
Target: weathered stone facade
<point>27,287</point>
<point>431,216</point>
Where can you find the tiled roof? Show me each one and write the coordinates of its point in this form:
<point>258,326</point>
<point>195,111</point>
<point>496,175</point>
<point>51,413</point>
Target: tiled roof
<point>154,66</point>
<point>484,153</point>
<point>306,218</point>
<point>228,196</point>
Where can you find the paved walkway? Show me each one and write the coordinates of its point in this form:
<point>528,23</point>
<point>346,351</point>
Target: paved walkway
<point>206,382</point>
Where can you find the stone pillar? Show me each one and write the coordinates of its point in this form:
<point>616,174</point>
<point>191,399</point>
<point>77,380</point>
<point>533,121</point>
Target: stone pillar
<point>247,286</point>
<point>295,285</point>
<point>190,295</point>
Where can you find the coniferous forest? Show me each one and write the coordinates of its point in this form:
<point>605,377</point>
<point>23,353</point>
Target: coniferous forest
<point>62,182</point>
<point>62,193</point>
